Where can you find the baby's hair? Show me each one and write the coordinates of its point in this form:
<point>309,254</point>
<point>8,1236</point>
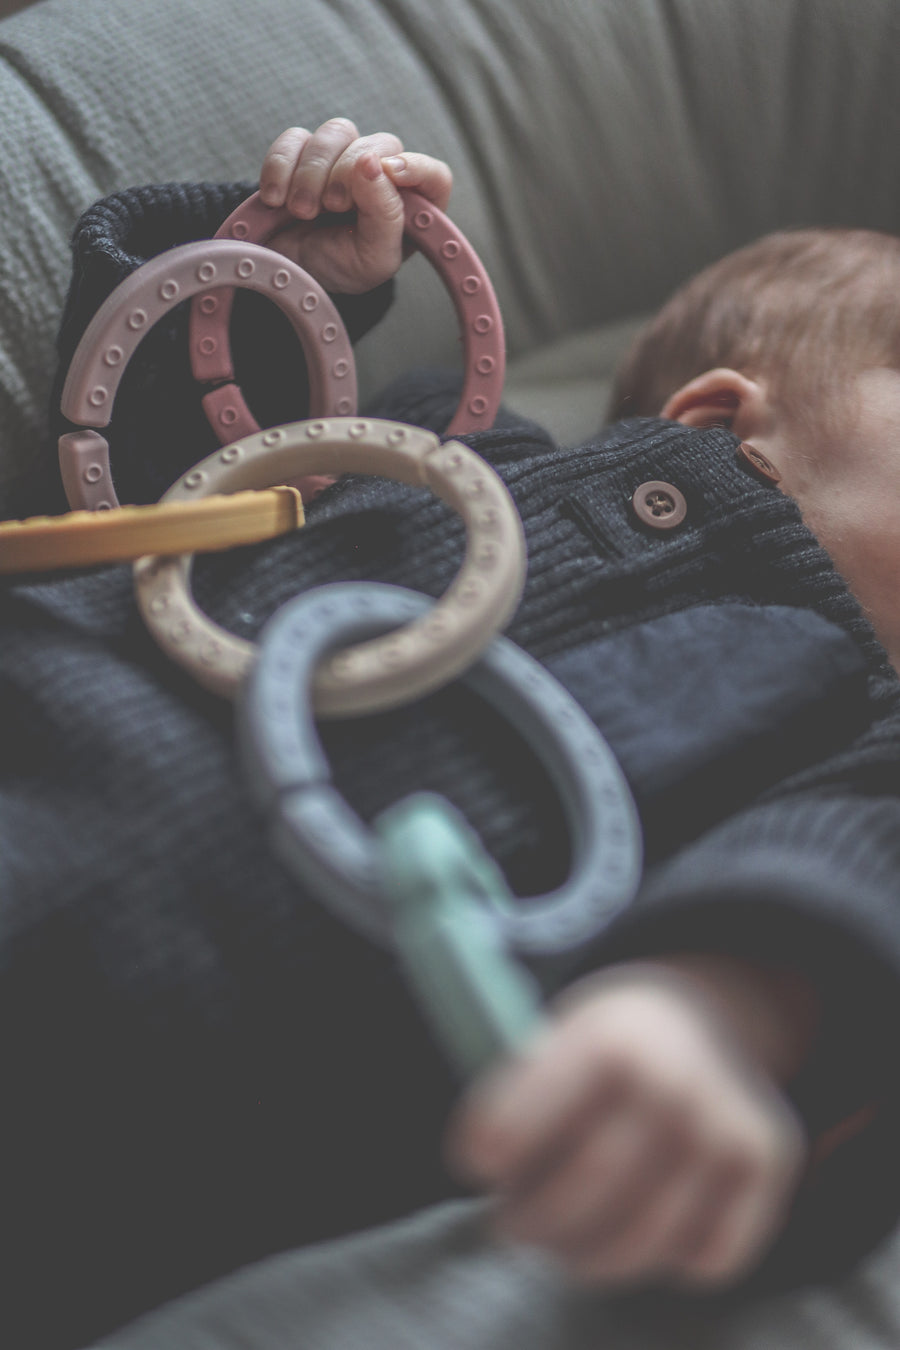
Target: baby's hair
<point>798,308</point>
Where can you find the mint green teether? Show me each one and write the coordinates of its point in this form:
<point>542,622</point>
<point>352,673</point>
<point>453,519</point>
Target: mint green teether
<point>441,886</point>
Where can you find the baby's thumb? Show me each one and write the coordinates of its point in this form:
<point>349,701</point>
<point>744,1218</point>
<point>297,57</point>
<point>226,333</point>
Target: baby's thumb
<point>379,207</point>
<point>483,1141</point>
<point>432,177</point>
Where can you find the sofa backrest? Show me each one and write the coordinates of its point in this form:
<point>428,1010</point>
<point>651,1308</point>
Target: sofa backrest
<point>603,149</point>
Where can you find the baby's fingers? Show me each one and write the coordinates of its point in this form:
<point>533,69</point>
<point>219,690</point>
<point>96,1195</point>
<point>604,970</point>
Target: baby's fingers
<point>750,1194</point>
<point>300,182</point>
<point>379,214</point>
<point>513,1123</point>
<point>711,1219</point>
<point>279,164</point>
<point>340,192</point>
<point>432,177</point>
<point>606,1178</point>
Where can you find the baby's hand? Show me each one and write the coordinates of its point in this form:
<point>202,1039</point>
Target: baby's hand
<point>634,1139</point>
<point>354,179</point>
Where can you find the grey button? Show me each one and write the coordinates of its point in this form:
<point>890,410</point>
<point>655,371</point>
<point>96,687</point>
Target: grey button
<point>659,505</point>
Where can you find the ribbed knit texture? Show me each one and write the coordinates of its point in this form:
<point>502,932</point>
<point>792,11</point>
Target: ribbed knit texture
<point>202,1065</point>
<point>163,414</point>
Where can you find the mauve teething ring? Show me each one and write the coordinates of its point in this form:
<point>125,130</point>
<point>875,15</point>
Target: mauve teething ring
<point>113,335</point>
<point>456,263</point>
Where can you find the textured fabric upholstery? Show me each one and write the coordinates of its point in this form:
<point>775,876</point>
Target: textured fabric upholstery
<point>431,1281</point>
<point>602,149</point>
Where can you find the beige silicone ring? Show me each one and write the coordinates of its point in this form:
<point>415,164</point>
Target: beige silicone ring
<point>385,671</point>
<point>85,538</point>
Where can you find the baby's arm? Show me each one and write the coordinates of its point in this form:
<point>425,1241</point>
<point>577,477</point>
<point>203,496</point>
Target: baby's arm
<point>358,243</point>
<point>644,1135</point>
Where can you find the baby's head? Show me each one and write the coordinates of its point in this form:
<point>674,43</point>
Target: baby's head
<point>798,310</point>
<point>794,343</point>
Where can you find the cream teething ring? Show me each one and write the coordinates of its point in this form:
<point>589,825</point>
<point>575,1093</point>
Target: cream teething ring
<point>455,261</point>
<point>113,335</point>
<point>388,670</point>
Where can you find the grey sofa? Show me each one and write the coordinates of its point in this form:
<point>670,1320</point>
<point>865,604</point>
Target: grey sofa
<point>603,150</point>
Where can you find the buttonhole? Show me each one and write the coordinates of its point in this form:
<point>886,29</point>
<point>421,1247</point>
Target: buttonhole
<point>570,508</point>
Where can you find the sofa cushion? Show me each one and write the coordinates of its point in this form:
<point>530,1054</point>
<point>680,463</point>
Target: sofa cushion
<point>603,149</point>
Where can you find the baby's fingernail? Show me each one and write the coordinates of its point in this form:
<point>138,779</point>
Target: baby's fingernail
<point>303,204</point>
<point>370,165</point>
<point>337,197</point>
<point>396,163</point>
<point>270,195</point>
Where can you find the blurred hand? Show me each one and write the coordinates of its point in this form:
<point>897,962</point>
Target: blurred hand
<point>635,1139</point>
<point>343,189</point>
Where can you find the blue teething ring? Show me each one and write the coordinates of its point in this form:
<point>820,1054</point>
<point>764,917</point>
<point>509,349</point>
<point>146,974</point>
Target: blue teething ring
<point>325,844</point>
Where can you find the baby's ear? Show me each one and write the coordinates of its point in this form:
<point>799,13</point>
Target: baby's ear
<point>715,399</point>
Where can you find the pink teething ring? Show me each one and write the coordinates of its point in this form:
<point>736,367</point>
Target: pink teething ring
<point>113,335</point>
<point>456,263</point>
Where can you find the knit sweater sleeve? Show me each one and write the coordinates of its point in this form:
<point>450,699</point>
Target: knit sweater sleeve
<point>158,428</point>
<point>805,879</point>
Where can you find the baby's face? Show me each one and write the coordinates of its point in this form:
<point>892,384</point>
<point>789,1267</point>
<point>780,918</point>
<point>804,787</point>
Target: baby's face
<point>847,484</point>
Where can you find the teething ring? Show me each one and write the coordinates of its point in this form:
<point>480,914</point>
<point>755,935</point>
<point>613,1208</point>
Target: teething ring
<point>114,333</point>
<point>456,263</point>
<point>327,846</point>
<point>388,670</point>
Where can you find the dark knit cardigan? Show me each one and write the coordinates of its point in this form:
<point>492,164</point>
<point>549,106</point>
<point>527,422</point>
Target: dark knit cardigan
<point>200,1064</point>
